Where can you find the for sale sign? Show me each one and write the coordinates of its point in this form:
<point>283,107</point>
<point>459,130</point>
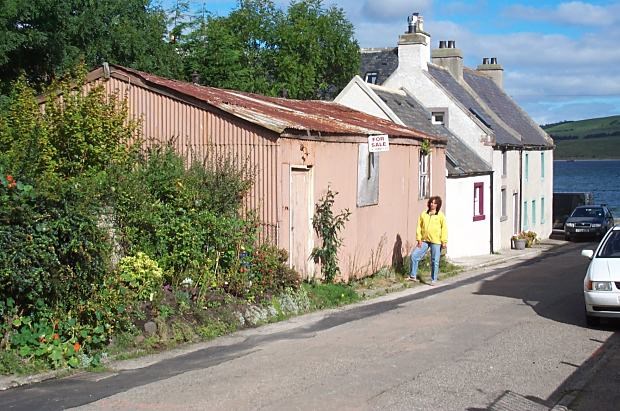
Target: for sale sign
<point>378,143</point>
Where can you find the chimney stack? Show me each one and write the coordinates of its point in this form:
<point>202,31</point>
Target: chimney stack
<point>195,78</point>
<point>414,45</point>
<point>449,57</point>
<point>490,68</point>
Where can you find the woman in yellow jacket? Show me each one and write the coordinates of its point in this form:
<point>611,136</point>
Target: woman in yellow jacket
<point>431,232</point>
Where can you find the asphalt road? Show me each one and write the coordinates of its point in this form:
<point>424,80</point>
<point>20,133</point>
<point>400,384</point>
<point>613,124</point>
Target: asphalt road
<point>511,338</point>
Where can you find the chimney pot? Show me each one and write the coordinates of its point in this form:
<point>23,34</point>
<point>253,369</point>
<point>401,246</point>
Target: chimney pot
<point>451,44</point>
<point>412,20</point>
<point>442,44</point>
<point>493,60</point>
<point>195,78</point>
<point>485,60</point>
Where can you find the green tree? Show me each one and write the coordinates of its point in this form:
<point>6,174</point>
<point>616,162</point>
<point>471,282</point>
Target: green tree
<point>308,51</point>
<point>316,51</point>
<point>216,55</point>
<point>44,39</point>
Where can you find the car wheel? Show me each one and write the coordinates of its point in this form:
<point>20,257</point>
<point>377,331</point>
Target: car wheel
<point>592,321</point>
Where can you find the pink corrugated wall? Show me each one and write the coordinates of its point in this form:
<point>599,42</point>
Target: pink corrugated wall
<point>197,132</point>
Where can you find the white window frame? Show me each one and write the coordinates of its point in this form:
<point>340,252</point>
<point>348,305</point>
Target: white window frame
<point>371,77</point>
<point>438,117</point>
<point>527,167</point>
<point>424,173</point>
<point>504,202</point>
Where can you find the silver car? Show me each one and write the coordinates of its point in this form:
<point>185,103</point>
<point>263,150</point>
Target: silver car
<point>601,285</point>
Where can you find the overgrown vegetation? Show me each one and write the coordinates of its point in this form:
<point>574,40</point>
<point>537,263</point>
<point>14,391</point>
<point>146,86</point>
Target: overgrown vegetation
<point>100,239</point>
<point>109,249</point>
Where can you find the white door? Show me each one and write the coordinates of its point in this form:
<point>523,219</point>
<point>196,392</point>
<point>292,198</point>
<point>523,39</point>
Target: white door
<point>301,222</point>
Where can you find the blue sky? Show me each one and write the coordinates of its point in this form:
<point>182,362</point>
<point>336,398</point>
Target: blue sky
<point>561,59</point>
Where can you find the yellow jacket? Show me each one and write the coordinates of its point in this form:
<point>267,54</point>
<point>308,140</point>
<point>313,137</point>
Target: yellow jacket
<point>432,228</point>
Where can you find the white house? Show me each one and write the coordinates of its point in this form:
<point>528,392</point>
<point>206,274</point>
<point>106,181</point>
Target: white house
<point>474,107</point>
<point>468,176</point>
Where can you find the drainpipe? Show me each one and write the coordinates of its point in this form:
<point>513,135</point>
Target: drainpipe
<point>520,188</point>
<point>492,189</point>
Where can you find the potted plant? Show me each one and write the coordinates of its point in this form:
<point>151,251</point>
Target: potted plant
<point>524,239</point>
<point>518,241</point>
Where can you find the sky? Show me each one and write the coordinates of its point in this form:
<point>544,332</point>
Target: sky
<point>561,59</point>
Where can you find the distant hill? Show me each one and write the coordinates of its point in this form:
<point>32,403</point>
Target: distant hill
<point>596,138</point>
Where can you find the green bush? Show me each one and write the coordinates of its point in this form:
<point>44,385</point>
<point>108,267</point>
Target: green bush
<point>141,275</point>
<point>268,271</point>
<point>51,247</point>
<point>327,227</point>
<point>166,210</point>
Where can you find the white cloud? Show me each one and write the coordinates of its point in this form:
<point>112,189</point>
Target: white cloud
<point>391,10</point>
<point>575,13</point>
<point>560,62</point>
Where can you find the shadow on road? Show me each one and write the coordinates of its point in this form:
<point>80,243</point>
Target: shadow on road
<point>551,284</point>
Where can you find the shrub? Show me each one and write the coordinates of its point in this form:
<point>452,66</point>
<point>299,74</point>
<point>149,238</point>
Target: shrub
<point>328,226</point>
<point>51,247</point>
<point>269,272</point>
<point>142,275</point>
<point>163,209</point>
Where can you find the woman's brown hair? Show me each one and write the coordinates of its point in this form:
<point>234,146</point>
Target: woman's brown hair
<point>437,201</point>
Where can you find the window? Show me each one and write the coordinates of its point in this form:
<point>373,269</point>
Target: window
<point>478,201</point>
<point>542,210</point>
<point>504,163</point>
<point>424,186</point>
<point>526,222</point>
<point>371,77</point>
<point>542,165</point>
<point>527,166</point>
<point>504,201</point>
<point>438,117</point>
<point>533,213</point>
<point>367,177</point>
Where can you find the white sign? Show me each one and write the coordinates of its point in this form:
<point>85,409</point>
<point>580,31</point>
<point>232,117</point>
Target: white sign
<point>378,143</point>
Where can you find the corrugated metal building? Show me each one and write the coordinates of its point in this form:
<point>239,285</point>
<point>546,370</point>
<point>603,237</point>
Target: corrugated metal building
<point>298,149</point>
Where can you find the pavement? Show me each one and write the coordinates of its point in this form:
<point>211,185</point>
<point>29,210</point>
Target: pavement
<point>503,256</point>
<point>594,388</point>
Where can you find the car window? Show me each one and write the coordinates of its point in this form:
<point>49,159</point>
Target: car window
<point>587,212</point>
<point>611,248</point>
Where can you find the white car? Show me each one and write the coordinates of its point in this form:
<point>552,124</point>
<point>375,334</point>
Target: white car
<point>601,285</point>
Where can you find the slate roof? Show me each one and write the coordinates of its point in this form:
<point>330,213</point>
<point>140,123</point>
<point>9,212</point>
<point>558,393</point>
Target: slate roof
<point>502,136</point>
<point>461,160</point>
<point>382,61</point>
<point>281,115</point>
<point>505,108</point>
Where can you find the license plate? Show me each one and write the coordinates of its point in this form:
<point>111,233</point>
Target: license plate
<point>581,230</point>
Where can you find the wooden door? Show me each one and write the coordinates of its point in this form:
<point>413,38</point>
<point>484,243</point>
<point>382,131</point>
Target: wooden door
<point>301,222</point>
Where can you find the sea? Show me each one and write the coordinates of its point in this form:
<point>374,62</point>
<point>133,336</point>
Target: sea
<point>599,177</point>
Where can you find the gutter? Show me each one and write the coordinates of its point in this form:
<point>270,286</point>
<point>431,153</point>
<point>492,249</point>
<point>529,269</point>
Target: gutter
<point>492,190</point>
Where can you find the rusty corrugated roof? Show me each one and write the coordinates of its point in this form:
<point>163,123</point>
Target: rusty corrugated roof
<point>286,115</point>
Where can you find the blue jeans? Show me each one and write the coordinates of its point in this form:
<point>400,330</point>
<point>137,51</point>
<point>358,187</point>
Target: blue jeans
<point>418,253</point>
